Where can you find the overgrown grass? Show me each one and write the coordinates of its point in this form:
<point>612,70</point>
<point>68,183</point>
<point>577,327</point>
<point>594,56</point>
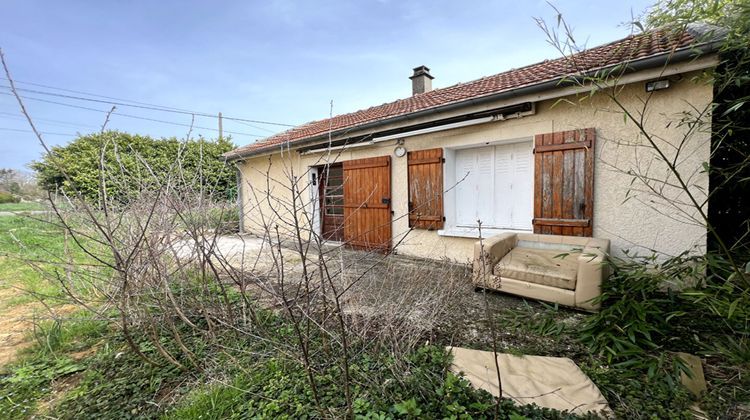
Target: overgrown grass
<point>55,355</point>
<point>81,368</point>
<point>275,389</point>
<point>30,250</point>
<point>25,206</point>
<point>629,348</point>
<point>259,382</point>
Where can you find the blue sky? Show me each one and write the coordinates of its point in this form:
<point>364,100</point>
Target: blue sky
<point>278,61</point>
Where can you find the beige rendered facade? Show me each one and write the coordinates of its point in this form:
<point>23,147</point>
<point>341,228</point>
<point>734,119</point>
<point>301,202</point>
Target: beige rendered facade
<point>626,211</point>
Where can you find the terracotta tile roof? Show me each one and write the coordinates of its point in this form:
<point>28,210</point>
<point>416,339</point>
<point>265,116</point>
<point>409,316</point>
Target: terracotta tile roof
<point>631,48</point>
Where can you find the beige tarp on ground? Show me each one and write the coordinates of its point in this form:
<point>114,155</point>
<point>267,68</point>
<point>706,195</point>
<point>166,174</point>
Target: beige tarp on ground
<point>553,382</point>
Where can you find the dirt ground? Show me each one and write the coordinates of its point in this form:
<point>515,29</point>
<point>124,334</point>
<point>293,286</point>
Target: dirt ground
<point>14,324</point>
<point>17,321</point>
<point>426,299</point>
<point>417,296</point>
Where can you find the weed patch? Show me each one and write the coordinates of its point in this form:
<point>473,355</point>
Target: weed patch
<point>25,206</point>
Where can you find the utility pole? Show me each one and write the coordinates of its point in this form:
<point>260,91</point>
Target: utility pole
<point>221,128</point>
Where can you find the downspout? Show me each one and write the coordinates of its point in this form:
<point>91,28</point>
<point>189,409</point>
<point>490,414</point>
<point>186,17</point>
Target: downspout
<point>240,200</point>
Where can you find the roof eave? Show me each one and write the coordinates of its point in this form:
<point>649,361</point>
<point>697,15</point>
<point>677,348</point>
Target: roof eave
<point>644,63</point>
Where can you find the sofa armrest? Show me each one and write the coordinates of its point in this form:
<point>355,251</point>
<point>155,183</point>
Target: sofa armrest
<point>495,248</point>
<point>595,245</point>
<point>592,270</point>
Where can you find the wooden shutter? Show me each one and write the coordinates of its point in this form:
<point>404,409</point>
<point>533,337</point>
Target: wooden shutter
<point>425,173</point>
<point>367,203</point>
<point>564,182</point>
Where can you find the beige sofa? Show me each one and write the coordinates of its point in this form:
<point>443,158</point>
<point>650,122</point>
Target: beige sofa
<point>568,270</point>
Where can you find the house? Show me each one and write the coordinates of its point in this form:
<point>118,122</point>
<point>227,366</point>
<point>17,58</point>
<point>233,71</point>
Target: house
<point>531,149</point>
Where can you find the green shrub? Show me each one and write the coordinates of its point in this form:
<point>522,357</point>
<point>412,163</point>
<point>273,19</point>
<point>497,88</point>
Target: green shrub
<point>134,162</point>
<point>643,322</point>
<point>6,197</point>
<point>632,397</point>
<point>225,219</point>
<point>424,389</point>
<point>636,309</point>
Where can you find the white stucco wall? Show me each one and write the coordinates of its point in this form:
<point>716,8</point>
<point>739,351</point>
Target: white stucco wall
<point>624,211</point>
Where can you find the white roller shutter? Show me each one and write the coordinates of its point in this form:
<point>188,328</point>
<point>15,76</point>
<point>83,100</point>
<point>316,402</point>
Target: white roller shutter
<point>495,185</point>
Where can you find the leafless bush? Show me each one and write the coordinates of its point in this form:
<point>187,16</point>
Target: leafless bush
<point>403,301</point>
<point>157,263</point>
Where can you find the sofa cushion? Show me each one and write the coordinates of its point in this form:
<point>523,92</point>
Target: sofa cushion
<point>548,246</point>
<point>540,266</point>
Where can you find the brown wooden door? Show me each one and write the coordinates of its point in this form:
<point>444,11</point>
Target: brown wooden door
<point>564,182</point>
<point>367,203</point>
<point>331,193</point>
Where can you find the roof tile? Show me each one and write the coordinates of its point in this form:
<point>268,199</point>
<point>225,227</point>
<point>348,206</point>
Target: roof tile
<point>624,50</point>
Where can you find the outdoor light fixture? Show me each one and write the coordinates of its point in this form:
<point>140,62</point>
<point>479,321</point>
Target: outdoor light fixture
<point>657,85</point>
<point>399,151</point>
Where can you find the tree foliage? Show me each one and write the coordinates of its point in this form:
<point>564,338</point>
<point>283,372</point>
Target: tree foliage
<point>17,184</point>
<point>696,302</point>
<point>683,12</point>
<point>93,160</point>
<point>729,166</point>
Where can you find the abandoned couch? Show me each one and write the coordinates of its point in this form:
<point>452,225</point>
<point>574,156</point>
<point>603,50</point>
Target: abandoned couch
<point>568,270</point>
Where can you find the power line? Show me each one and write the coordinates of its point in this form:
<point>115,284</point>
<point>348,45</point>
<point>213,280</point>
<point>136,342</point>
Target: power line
<point>94,95</point>
<point>152,108</point>
<point>41,132</point>
<point>144,105</point>
<point>45,120</point>
<point>133,116</point>
<point>254,126</point>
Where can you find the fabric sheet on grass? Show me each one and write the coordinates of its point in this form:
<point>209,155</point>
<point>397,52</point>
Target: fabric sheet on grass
<point>552,382</point>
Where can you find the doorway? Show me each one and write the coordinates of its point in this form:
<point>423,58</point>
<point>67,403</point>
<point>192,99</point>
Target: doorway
<point>331,193</point>
<point>355,202</point>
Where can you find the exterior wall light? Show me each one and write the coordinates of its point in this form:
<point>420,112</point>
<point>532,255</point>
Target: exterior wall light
<point>657,85</point>
<point>399,151</point>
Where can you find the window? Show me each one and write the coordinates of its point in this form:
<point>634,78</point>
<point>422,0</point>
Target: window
<point>333,190</point>
<point>494,184</point>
